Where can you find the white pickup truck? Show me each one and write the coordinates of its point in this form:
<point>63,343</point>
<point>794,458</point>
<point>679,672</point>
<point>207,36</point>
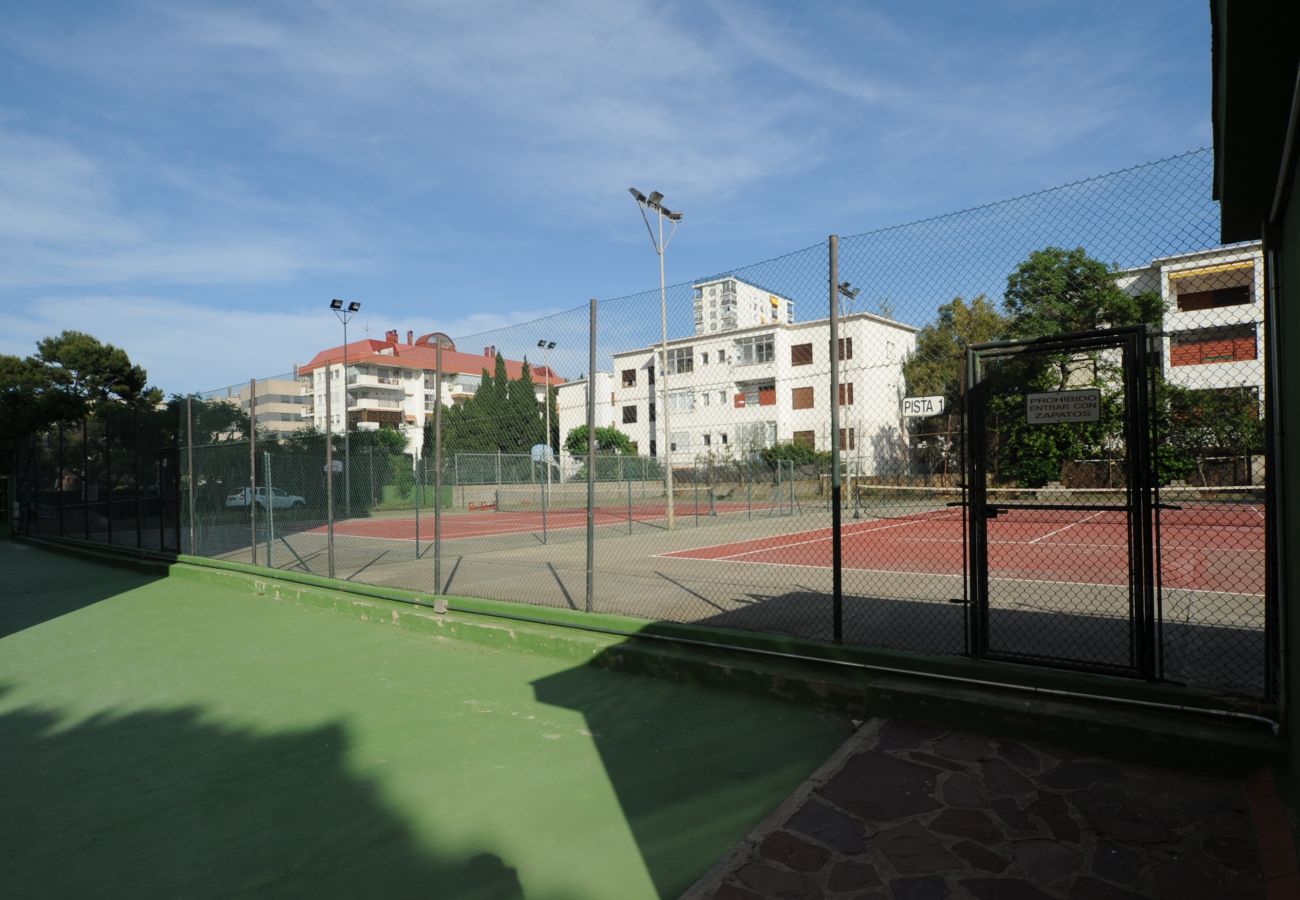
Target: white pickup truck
<point>279,498</point>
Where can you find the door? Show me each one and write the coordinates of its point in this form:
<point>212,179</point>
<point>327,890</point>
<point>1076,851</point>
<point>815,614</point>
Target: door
<point>1060,509</point>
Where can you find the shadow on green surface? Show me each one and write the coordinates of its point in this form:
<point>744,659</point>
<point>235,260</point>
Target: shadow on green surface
<point>40,585</point>
<point>694,768</point>
<point>167,803</point>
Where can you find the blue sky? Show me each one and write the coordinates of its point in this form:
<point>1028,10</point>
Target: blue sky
<point>194,181</point>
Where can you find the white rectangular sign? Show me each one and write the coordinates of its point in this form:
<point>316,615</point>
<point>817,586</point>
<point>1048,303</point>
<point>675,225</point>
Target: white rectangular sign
<point>1056,407</point>
<point>914,407</point>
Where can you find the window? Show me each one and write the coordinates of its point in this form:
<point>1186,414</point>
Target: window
<point>756,395</point>
<point>1213,345</point>
<point>849,433</point>
<point>708,440</point>
<point>752,350</point>
<point>652,411</point>
<point>846,348</point>
<point>722,398</point>
<point>706,395</point>
<point>722,356</point>
<point>1211,287</point>
<point>846,394</point>
<point>757,435</point>
<point>704,358</point>
<point>723,437</point>
<point>802,397</point>
<point>681,360</point>
<point>629,415</point>
<point>629,378</point>
<point>801,355</point>
<point>681,401</point>
<point>1231,296</point>
<point>806,439</point>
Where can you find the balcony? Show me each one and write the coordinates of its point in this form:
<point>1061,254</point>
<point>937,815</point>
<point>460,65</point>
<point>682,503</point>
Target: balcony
<point>377,382</point>
<point>359,403</point>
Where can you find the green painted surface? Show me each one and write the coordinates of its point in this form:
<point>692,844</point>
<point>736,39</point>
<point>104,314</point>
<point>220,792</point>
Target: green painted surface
<point>173,738</point>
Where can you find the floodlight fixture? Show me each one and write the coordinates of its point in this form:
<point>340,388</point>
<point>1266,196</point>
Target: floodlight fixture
<point>848,290</point>
<point>354,306</point>
<point>336,304</point>
<point>655,203</point>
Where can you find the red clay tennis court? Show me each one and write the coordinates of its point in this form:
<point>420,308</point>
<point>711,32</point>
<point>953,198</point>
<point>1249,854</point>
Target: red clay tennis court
<point>1207,543</point>
<point>493,522</point>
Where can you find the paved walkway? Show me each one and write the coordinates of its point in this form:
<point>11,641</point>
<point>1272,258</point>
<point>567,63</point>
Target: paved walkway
<point>916,812</point>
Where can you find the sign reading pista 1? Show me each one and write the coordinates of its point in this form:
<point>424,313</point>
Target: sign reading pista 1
<point>918,407</point>
<point>1060,407</point>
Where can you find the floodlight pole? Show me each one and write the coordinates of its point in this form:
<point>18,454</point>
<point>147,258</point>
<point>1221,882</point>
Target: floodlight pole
<point>547,346</point>
<point>654,202</point>
<point>345,315</point>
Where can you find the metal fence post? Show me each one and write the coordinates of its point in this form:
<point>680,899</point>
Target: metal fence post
<point>270,507</point>
<point>419,491</point>
<point>437,465</point>
<point>189,465</point>
<point>108,473</point>
<point>85,478</point>
<point>329,472</point>
<point>591,458</point>
<point>62,533</point>
<point>139,511</point>
<point>252,468</point>
<point>837,575</point>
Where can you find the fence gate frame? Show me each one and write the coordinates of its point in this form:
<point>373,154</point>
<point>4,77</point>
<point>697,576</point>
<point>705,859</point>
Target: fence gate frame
<point>1135,346</point>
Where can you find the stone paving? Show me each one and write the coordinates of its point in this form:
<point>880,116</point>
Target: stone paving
<point>915,812</point>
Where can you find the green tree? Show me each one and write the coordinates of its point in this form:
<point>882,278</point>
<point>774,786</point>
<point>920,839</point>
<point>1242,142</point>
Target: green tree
<point>608,440</point>
<point>1057,291</point>
<point>940,358</point>
<point>92,372</point>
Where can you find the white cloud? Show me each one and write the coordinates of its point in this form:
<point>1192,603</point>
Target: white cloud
<point>186,346</point>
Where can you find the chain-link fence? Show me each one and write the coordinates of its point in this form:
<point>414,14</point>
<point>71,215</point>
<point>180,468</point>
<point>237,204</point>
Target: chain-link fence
<point>777,447</point>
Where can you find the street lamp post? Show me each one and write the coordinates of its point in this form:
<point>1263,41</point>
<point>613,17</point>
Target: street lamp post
<point>344,316</point>
<point>548,346</point>
<point>655,202</point>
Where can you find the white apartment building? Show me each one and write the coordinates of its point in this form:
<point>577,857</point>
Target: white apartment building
<point>728,303</point>
<point>571,406</point>
<point>1213,315</point>
<point>731,392</point>
<point>390,383</point>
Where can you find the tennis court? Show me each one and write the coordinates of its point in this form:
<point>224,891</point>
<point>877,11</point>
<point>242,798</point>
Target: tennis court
<point>1211,540</point>
<point>168,737</point>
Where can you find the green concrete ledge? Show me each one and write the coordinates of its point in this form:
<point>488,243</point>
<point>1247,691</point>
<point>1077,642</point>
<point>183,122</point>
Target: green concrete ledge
<point>1023,701</point>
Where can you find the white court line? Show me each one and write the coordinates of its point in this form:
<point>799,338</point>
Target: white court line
<point>824,568</point>
<point>817,540</point>
<point>824,530</point>
<point>1043,537</point>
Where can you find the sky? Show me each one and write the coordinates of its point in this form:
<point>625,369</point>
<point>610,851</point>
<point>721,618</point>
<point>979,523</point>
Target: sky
<point>195,181</point>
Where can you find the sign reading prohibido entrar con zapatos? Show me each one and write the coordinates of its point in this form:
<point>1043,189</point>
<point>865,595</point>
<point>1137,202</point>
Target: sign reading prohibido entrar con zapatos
<point>1058,407</point>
